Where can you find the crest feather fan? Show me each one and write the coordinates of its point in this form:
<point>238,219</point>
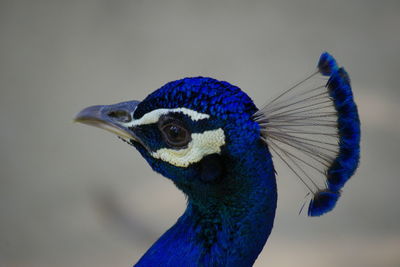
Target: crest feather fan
<point>314,128</point>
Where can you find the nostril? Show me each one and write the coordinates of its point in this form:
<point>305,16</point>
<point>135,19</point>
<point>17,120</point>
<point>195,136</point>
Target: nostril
<point>120,115</point>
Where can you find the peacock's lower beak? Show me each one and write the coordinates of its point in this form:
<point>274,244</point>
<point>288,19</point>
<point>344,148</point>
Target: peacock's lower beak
<point>112,118</point>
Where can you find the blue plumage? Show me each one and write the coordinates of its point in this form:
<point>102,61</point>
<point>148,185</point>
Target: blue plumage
<point>346,162</point>
<point>323,202</point>
<point>349,129</point>
<point>327,64</point>
<point>209,138</point>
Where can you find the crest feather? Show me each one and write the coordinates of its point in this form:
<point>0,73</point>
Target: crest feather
<point>314,128</point>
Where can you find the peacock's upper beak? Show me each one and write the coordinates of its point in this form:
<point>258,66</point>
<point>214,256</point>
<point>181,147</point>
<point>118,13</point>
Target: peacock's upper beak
<point>113,118</point>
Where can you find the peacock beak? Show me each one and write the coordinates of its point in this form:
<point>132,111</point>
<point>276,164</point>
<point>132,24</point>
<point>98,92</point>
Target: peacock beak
<point>112,118</point>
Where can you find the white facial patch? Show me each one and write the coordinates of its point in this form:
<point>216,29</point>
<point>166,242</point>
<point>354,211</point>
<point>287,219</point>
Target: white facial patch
<point>202,144</point>
<point>154,116</point>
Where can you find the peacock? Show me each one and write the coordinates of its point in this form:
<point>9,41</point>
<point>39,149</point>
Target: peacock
<point>209,138</point>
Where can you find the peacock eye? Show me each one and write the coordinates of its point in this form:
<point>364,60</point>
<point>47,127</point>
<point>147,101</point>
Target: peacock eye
<point>175,135</point>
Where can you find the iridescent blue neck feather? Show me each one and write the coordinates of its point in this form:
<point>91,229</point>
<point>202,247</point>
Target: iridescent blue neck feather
<point>228,227</point>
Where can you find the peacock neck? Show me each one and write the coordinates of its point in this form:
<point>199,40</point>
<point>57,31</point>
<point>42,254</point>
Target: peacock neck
<point>226,228</point>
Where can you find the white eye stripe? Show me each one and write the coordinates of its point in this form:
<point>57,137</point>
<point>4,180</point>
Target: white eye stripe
<point>154,116</point>
<point>202,144</point>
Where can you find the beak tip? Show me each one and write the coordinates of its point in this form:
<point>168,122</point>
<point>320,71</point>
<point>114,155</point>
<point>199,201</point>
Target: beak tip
<point>96,116</point>
<point>92,112</point>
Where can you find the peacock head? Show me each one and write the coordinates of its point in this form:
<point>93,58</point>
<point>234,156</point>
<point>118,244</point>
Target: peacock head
<point>192,130</point>
<point>206,135</point>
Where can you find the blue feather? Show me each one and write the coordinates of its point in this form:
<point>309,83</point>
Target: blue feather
<point>347,160</point>
<point>327,64</point>
<point>323,202</point>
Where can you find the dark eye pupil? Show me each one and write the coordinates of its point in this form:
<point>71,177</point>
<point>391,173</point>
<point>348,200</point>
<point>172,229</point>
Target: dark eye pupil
<point>176,135</point>
<point>175,132</point>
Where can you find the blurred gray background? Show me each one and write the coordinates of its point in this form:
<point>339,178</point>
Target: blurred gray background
<point>72,195</point>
